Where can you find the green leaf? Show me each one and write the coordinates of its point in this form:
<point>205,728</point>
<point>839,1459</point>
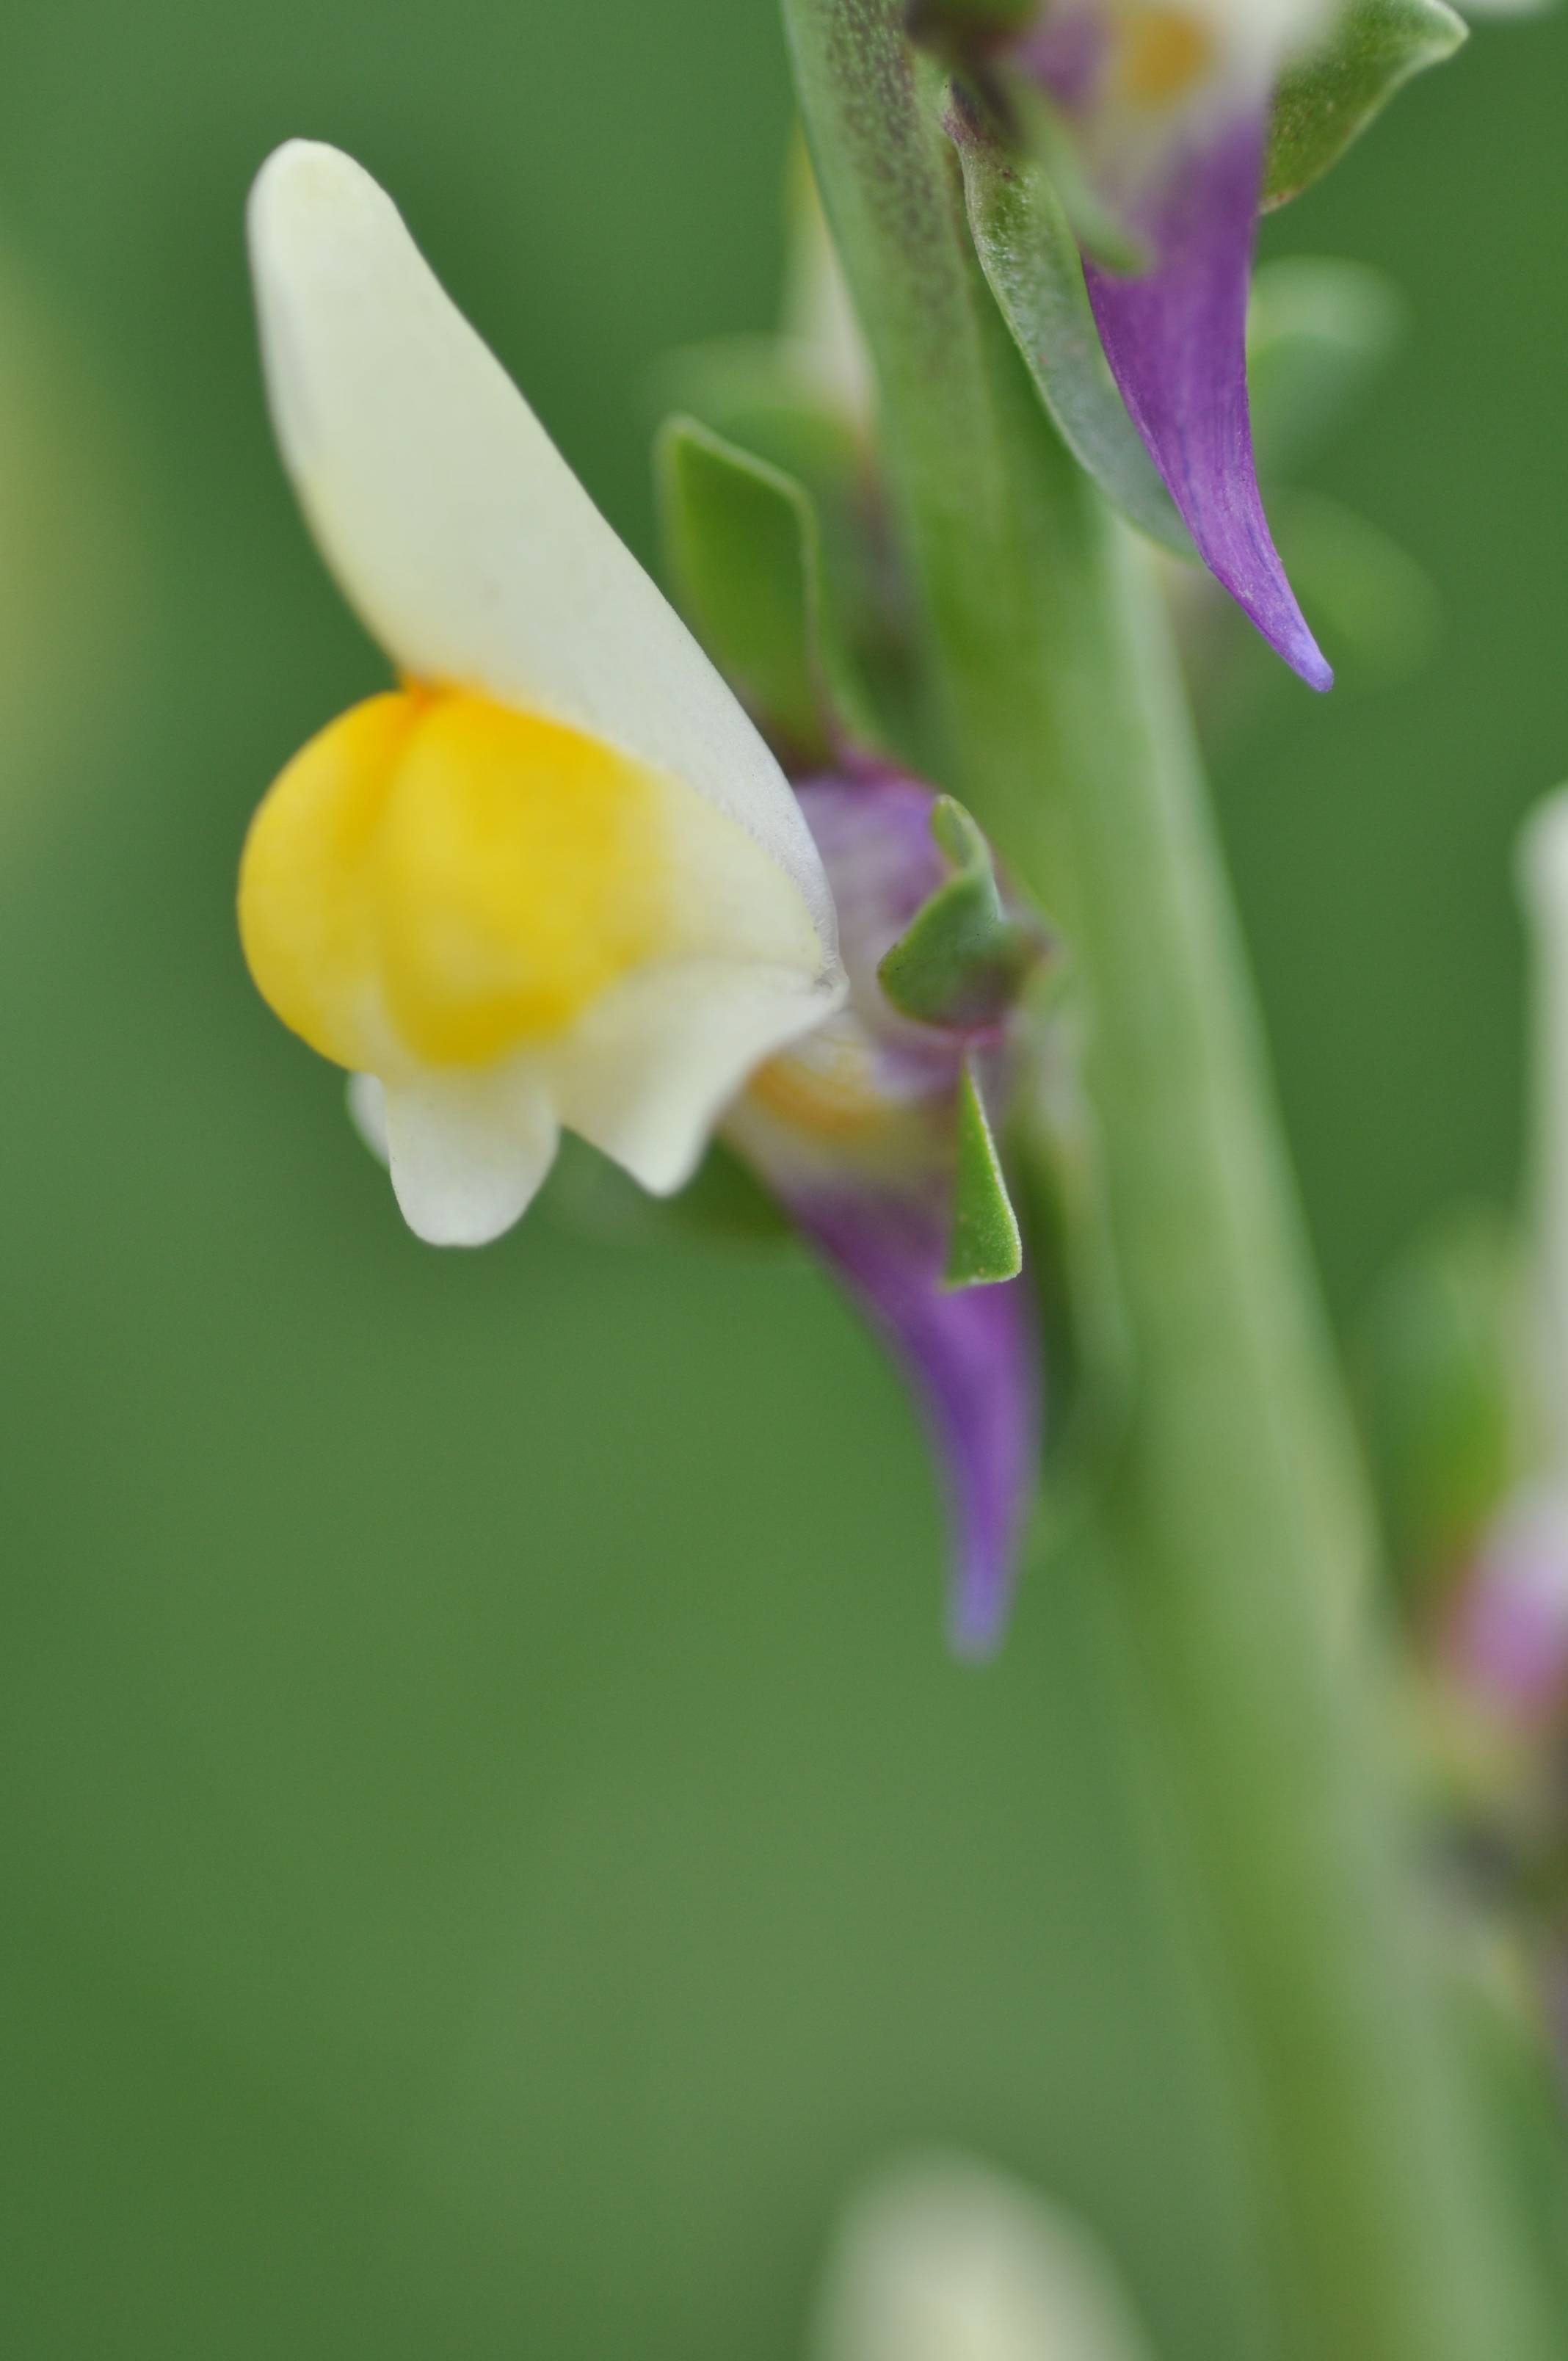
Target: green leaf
<point>1318,333</point>
<point>744,557</point>
<point>963,958</point>
<point>1030,258</point>
<point>761,393</point>
<point>987,1245</point>
<point>1326,99</point>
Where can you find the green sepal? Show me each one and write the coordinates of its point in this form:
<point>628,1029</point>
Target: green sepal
<point>963,958</point>
<point>1318,332</point>
<point>1034,124</point>
<point>744,556</point>
<point>1030,254</point>
<point>986,1245</point>
<point>1326,99</point>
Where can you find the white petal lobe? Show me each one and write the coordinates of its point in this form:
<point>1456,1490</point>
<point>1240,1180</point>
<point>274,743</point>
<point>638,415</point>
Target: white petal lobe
<point>455,527</point>
<point>468,1152</point>
<point>652,1067</point>
<point>943,2260</point>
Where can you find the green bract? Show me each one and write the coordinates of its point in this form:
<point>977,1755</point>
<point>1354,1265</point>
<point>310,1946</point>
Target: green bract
<point>963,958</point>
<point>1325,100</point>
<point>986,1245</point>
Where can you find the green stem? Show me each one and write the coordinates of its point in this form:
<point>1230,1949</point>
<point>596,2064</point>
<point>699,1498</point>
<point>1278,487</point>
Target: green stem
<point>1236,1521</point>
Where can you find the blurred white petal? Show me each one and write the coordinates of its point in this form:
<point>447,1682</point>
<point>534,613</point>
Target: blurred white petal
<point>652,1065</point>
<point>943,2259</point>
<point>1544,880</point>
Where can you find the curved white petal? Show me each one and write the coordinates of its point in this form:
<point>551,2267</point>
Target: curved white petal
<point>649,1068</point>
<point>468,1152</point>
<point>454,524</point>
<point>943,2259</point>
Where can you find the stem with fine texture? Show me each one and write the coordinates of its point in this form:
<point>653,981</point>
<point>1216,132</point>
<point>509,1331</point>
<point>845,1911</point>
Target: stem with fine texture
<point>1235,1519</point>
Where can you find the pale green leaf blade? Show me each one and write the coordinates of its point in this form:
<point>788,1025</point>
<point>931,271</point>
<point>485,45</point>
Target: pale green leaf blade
<point>1030,259</point>
<point>742,539</point>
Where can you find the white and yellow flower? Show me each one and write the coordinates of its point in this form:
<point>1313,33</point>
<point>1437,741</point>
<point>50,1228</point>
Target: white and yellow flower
<point>554,878</point>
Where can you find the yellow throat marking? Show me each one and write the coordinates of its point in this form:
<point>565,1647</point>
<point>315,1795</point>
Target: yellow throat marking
<point>1163,51</point>
<point>825,1086</point>
<point>438,879</point>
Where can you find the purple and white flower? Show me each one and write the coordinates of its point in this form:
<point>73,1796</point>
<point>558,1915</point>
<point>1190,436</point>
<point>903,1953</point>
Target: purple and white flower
<point>1168,106</point>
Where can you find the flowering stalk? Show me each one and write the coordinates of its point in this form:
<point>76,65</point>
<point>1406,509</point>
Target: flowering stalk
<point>1234,1524</point>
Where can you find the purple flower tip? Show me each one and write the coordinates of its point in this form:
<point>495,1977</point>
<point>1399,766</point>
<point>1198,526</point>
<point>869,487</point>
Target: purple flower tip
<point>1176,340</point>
<point>972,1364</point>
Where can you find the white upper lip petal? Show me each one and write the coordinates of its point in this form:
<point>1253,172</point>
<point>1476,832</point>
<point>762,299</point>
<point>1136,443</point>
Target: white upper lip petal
<point>453,525</point>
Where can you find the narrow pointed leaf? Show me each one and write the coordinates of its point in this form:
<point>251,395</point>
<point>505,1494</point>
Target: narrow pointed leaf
<point>963,956</point>
<point>986,1245</point>
<point>1326,99</point>
<point>743,552</point>
<point>1030,257</point>
<point>759,393</point>
<point>756,395</point>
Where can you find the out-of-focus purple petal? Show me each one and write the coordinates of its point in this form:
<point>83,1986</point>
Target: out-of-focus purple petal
<point>1507,1640</point>
<point>972,1362</point>
<point>1176,340</point>
<point>1065,52</point>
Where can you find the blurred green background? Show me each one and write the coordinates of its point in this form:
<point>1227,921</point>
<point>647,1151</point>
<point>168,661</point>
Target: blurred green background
<point>493,1844</point>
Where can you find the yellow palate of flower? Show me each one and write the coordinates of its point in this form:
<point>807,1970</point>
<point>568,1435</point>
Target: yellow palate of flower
<point>438,880</point>
<point>825,1086</point>
<point>1162,52</point>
